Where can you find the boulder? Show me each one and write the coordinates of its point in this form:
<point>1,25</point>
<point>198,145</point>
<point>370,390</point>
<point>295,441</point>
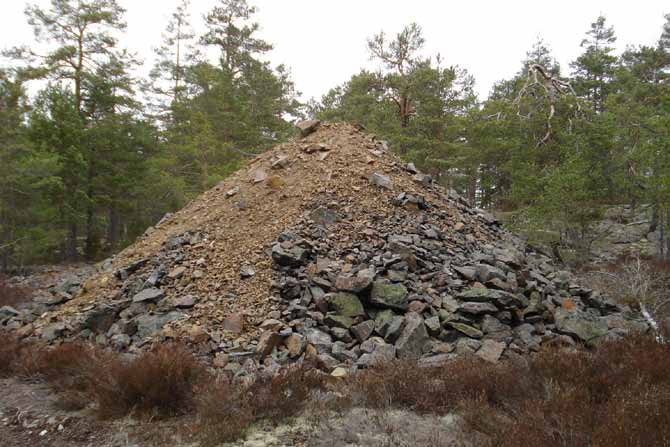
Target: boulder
<point>491,350</point>
<point>319,339</point>
<point>391,296</point>
<point>307,127</point>
<point>346,304</point>
<point>148,324</point>
<point>413,338</point>
<point>293,256</point>
<point>363,331</point>
<point>354,284</point>
<point>581,325</point>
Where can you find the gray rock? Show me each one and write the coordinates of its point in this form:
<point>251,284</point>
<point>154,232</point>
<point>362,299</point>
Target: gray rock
<point>52,331</point>
<point>466,346</point>
<point>119,341</point>
<point>51,299</point>
<point>585,327</point>
<point>335,320</point>
<point>100,318</point>
<point>354,284</point>
<point>294,256</point>
<point>148,324</point>
<point>469,273</point>
<point>491,350</point>
<point>319,339</point>
<point>414,337</point>
<point>433,326</point>
<point>346,304</point>
<point>151,294</point>
<point>247,271</point>
<point>185,302</point>
<point>477,308</point>
<point>341,334</point>
<point>7,312</point>
<point>307,127</point>
<point>324,216</point>
<point>381,180</point>
<point>393,328</point>
<point>363,331</point>
<point>392,296</point>
<point>492,325</point>
<point>467,330</point>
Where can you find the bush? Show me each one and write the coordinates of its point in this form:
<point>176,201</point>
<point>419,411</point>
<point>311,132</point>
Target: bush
<point>10,354</point>
<point>158,382</point>
<point>12,295</point>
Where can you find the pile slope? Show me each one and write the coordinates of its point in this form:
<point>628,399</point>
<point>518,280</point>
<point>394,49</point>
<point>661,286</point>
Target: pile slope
<point>329,247</point>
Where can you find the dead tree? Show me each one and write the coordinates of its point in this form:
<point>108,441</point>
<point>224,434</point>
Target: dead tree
<point>552,88</point>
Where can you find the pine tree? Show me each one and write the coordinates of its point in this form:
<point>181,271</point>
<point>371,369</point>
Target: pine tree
<point>176,53</point>
<point>594,69</point>
<point>229,29</point>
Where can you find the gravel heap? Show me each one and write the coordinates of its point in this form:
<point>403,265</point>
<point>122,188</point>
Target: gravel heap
<point>330,248</point>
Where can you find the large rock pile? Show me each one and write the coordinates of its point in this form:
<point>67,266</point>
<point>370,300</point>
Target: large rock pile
<point>412,285</point>
<point>330,248</point>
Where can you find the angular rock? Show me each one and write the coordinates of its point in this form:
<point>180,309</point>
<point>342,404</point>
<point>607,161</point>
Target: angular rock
<point>177,272</point>
<point>585,327</point>
<point>148,324</point>
<point>392,296</point>
<point>307,127</point>
<point>233,323</point>
<point>268,341</point>
<point>295,344</point>
<point>433,326</point>
<point>491,350</point>
<point>247,271</point>
<point>319,339</point>
<point>152,294</point>
<point>467,330</point>
<point>363,331</point>
<point>185,302</point>
<point>381,180</point>
<point>354,284</point>
<point>335,320</point>
<point>477,308</point>
<point>294,256</point>
<point>346,304</point>
<point>324,216</point>
<point>414,337</point>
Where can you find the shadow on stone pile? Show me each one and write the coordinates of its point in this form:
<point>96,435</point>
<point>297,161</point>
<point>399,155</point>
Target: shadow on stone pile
<point>329,248</point>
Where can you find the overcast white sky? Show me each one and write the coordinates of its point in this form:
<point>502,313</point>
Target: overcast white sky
<point>323,41</point>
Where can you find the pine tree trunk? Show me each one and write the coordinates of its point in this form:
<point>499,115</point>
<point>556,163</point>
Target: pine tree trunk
<point>113,228</point>
<point>71,243</point>
<point>91,242</point>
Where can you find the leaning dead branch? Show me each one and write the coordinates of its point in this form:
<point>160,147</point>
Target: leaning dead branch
<point>552,88</point>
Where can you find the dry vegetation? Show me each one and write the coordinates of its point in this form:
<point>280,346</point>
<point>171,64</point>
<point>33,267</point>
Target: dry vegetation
<point>634,281</point>
<point>615,396</point>
<point>12,295</point>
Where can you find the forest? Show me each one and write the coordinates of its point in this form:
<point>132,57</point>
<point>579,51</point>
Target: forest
<point>91,155</point>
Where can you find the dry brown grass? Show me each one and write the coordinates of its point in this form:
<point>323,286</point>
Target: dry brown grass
<point>618,395</point>
<point>158,382</point>
<point>12,295</point>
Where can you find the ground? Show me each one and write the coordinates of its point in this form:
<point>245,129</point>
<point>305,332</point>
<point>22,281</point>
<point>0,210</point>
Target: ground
<point>30,416</point>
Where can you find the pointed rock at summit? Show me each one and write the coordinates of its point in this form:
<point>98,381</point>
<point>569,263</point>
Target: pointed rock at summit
<point>308,127</point>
